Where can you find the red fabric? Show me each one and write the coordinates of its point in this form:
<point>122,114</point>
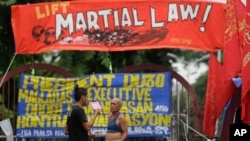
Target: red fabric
<point>235,18</point>
<point>225,91</point>
<point>232,52</point>
<point>118,25</point>
<point>241,19</point>
<point>245,96</point>
<point>214,74</point>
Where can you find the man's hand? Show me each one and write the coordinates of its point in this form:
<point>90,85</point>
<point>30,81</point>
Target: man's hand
<point>97,112</point>
<point>66,130</point>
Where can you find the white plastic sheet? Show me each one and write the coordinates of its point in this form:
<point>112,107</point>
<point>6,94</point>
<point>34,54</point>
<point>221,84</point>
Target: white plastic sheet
<point>7,129</point>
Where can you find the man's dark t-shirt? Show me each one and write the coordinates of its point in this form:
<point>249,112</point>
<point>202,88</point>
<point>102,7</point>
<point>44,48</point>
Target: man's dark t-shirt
<point>75,118</point>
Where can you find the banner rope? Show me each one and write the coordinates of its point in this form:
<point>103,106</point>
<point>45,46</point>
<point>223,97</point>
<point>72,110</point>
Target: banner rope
<point>7,69</point>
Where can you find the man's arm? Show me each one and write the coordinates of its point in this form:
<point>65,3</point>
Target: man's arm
<point>66,130</point>
<point>88,125</point>
<point>124,126</point>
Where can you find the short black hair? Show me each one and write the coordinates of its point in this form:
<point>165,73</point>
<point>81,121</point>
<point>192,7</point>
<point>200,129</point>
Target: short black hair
<point>79,92</point>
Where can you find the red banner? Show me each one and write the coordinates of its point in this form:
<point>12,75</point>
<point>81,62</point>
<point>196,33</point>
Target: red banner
<point>118,25</point>
<point>235,22</point>
<point>245,95</point>
<point>235,19</point>
<point>212,93</point>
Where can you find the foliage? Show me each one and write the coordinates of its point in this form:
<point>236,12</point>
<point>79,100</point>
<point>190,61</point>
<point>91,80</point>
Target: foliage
<point>7,112</point>
<point>194,57</point>
<point>7,2</point>
<point>7,43</point>
<point>6,37</point>
<point>95,62</point>
<point>200,88</point>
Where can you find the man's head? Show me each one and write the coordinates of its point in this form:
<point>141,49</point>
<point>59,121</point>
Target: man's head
<point>81,95</point>
<point>115,105</point>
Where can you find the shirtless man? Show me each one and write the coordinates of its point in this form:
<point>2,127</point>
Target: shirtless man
<point>117,129</point>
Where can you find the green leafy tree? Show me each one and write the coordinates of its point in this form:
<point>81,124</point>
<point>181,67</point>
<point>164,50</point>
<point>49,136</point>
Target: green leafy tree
<point>200,88</point>
<point>3,109</point>
<point>94,62</point>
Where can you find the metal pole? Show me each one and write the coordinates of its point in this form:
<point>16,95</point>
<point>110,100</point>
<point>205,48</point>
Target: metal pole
<point>196,132</point>
<point>178,116</point>
<point>217,120</point>
<point>7,70</point>
<point>187,112</point>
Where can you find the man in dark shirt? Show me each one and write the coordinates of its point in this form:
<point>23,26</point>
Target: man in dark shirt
<point>77,126</point>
